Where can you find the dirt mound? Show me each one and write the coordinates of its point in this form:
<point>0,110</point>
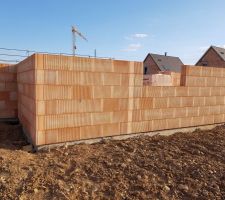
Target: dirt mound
<point>181,166</point>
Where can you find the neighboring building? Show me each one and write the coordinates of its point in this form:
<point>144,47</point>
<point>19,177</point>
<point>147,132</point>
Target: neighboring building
<point>154,64</point>
<point>214,56</point>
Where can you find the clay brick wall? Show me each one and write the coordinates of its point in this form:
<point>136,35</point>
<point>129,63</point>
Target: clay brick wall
<point>74,98</point>
<point>26,96</point>
<point>8,91</point>
<point>203,76</point>
<point>176,78</point>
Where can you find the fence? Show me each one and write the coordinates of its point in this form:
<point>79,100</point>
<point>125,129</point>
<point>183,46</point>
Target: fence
<point>13,56</point>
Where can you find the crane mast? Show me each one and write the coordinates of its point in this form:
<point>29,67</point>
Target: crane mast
<point>76,32</point>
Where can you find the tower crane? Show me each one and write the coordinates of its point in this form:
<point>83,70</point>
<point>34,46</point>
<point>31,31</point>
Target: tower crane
<point>75,32</point>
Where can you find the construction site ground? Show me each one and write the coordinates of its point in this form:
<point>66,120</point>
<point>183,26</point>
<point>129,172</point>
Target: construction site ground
<point>180,166</point>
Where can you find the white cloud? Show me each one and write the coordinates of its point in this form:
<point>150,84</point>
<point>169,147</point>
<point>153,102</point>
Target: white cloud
<point>132,47</point>
<point>136,36</point>
<point>140,35</point>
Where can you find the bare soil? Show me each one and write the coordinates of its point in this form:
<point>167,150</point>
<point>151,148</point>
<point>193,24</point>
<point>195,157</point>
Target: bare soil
<point>181,166</point>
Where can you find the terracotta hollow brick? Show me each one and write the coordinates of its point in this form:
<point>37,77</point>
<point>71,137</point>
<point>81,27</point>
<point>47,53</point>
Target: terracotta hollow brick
<point>160,102</point>
<point>87,132</point>
<point>187,101</point>
<point>174,102</point>
<point>160,124</point>
<point>110,105</point>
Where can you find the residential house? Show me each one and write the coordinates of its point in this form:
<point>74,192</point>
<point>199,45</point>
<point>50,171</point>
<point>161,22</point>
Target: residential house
<point>214,56</point>
<point>155,64</point>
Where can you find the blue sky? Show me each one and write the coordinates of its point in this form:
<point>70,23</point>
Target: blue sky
<point>122,29</point>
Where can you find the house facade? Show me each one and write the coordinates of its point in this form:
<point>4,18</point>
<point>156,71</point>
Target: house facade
<point>155,64</point>
<point>214,56</point>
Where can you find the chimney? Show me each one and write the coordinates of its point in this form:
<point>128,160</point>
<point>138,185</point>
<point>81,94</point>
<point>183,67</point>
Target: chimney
<point>165,53</point>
